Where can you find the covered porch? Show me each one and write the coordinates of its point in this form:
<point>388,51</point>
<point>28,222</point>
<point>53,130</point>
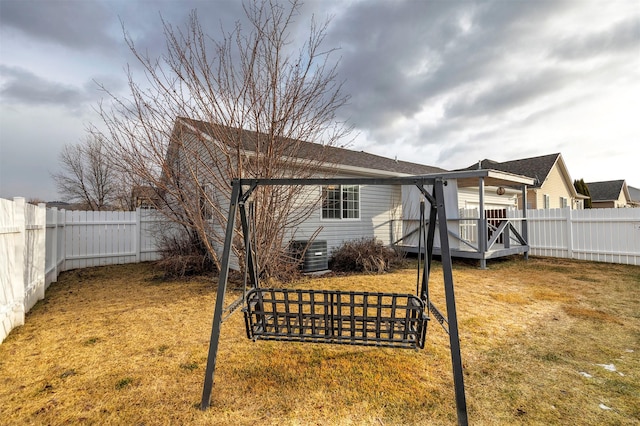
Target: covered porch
<point>482,237</point>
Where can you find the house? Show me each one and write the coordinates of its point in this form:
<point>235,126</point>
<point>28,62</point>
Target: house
<point>610,194</point>
<point>634,193</point>
<point>553,187</point>
<point>145,197</point>
<point>343,213</point>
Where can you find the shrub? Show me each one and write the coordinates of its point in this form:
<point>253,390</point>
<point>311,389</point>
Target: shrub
<point>364,255</point>
<point>182,255</point>
<point>284,267</point>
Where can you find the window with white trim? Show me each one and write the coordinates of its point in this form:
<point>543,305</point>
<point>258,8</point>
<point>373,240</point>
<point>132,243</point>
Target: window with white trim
<point>341,202</point>
<point>546,201</point>
<point>564,202</point>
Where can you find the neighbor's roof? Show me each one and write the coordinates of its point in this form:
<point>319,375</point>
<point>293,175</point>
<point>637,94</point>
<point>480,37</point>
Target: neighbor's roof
<point>634,193</point>
<point>309,150</point>
<point>534,167</point>
<point>606,191</point>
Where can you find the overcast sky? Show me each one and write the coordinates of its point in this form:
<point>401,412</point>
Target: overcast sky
<point>443,83</point>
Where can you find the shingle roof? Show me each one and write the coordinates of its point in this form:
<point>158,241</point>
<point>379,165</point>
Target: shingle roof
<point>634,193</point>
<point>605,191</point>
<point>310,150</point>
<point>534,167</point>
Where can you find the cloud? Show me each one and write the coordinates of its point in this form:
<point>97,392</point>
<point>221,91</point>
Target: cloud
<point>508,94</point>
<point>399,57</point>
<point>75,24</point>
<point>20,86</point>
<point>622,37</point>
<point>439,82</point>
<point>463,80</point>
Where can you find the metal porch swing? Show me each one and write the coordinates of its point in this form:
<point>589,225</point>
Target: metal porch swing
<point>341,317</point>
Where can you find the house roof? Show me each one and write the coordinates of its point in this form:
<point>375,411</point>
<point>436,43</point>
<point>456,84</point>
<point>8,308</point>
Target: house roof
<point>607,190</point>
<point>534,167</point>
<point>310,150</point>
<point>634,193</point>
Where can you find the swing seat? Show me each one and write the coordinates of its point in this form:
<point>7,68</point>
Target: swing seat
<point>330,316</point>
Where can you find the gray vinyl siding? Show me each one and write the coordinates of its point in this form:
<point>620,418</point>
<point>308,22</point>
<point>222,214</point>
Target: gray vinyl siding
<point>379,205</point>
<point>411,197</point>
<point>210,175</point>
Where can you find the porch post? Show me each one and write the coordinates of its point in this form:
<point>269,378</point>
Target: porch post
<point>482,226</point>
<point>525,227</point>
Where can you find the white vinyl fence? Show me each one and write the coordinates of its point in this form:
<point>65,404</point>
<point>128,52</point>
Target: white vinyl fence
<point>22,259</point>
<point>601,235</point>
<point>36,244</point>
<point>81,239</point>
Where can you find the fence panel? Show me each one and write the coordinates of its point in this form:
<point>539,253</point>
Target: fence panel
<point>602,235</point>
<point>86,239</point>
<point>11,258</point>
<point>99,238</point>
<point>550,233</point>
<point>22,261</point>
<point>611,235</point>
<point>152,225</point>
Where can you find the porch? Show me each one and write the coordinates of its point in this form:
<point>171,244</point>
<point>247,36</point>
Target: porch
<point>506,240</point>
<point>481,233</point>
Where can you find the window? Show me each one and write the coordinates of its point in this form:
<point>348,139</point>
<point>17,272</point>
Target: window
<point>205,201</point>
<point>564,202</point>
<point>341,202</point>
<point>546,202</point>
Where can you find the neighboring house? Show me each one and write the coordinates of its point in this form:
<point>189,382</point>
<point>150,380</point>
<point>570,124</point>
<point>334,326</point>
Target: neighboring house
<point>59,205</point>
<point>634,193</point>
<point>63,205</point>
<point>144,197</point>
<point>553,187</point>
<point>610,194</point>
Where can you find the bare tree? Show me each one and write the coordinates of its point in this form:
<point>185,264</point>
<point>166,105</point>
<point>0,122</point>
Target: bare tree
<point>248,101</point>
<point>88,175</point>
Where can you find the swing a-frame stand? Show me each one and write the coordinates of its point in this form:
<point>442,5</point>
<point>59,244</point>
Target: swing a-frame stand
<point>342,317</point>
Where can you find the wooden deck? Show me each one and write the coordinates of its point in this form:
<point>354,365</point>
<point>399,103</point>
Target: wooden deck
<point>498,250</point>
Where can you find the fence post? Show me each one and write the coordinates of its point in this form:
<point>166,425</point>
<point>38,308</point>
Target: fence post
<point>138,235</point>
<point>63,253</point>
<point>39,255</point>
<point>569,232</point>
<point>17,278</point>
<point>54,245</point>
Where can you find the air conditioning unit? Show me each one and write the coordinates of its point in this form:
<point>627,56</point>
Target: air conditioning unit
<point>313,254</point>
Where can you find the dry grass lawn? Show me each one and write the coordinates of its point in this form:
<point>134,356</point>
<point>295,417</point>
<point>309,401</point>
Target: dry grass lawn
<point>543,342</point>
